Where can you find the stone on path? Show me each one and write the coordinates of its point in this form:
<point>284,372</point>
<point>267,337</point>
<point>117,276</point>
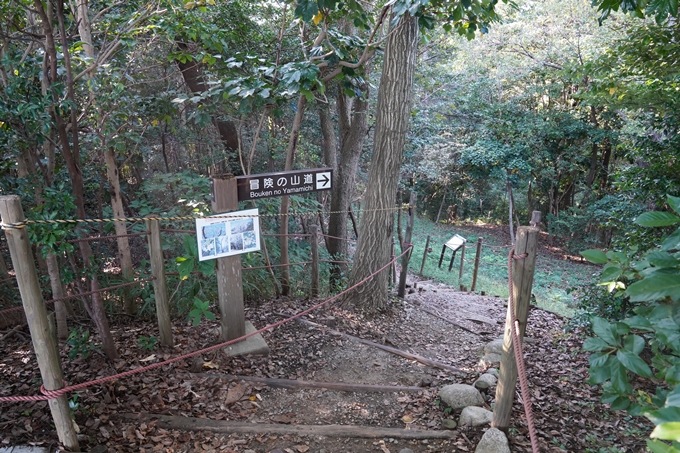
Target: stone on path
<point>24,449</point>
<point>494,347</point>
<point>485,381</point>
<point>449,423</point>
<point>405,450</point>
<point>493,441</point>
<point>492,371</point>
<point>490,360</point>
<point>475,416</point>
<point>458,396</point>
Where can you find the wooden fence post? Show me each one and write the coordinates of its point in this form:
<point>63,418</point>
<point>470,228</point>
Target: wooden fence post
<point>522,281</point>
<point>427,248</point>
<point>462,262</point>
<point>315,260</point>
<point>478,255</point>
<point>160,289</point>
<point>44,344</point>
<point>229,280</point>
<point>407,243</point>
<point>393,267</point>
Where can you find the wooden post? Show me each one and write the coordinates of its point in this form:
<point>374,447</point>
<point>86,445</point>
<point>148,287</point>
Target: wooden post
<point>441,257</point>
<point>160,289</point>
<point>229,281</point>
<point>315,260</point>
<point>478,255</point>
<point>462,262</point>
<point>44,344</point>
<point>453,257</point>
<point>522,281</point>
<point>427,249</point>
<point>407,243</point>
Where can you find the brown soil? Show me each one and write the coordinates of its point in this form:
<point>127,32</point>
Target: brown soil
<point>567,411</point>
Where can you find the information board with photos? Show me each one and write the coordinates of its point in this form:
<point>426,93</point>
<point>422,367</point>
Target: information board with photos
<point>223,236</point>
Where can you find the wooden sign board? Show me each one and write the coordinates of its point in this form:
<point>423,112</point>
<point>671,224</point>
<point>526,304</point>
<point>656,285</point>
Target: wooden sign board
<point>455,242</point>
<point>296,182</point>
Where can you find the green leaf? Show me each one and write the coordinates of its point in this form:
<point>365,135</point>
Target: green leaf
<point>619,378</point>
<point>674,202</point>
<point>633,363</point>
<point>620,403</point>
<point>673,398</point>
<point>638,322</point>
<point>306,9</point>
<point>665,415</point>
<point>662,259</point>
<point>634,344</point>
<point>656,446</point>
<point>672,242</point>
<point>654,287</point>
<point>657,219</point>
<point>600,373</point>
<point>595,256</point>
<point>673,375</point>
<point>595,344</point>
<point>610,273</point>
<point>184,267</point>
<point>605,330</point>
<point>667,431</point>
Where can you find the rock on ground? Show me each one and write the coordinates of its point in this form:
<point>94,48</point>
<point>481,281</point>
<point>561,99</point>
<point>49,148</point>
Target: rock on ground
<point>485,381</point>
<point>494,347</point>
<point>490,360</point>
<point>458,396</point>
<point>493,441</point>
<point>475,416</point>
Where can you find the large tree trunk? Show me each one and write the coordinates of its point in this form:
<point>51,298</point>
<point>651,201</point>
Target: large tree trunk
<point>353,134</point>
<point>393,113</point>
<point>124,254</point>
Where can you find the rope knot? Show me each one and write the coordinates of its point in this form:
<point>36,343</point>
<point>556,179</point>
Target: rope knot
<point>52,394</point>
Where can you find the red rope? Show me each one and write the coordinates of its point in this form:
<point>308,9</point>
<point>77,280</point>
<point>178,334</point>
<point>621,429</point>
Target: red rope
<point>51,394</point>
<point>519,355</point>
<point>89,293</point>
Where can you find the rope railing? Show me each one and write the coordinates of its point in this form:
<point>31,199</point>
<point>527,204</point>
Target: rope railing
<point>76,296</point>
<point>52,394</point>
<point>336,237</point>
<point>25,223</point>
<point>103,238</point>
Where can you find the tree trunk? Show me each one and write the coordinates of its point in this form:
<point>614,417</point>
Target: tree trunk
<point>511,209</point>
<point>71,154</point>
<point>57,293</point>
<point>329,143</point>
<point>84,28</point>
<point>441,206</point>
<point>124,254</point>
<point>285,201</point>
<point>353,133</point>
<point>393,113</point>
<point>192,72</point>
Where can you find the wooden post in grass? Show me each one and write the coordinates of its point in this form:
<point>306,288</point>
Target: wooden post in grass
<point>229,281</point>
<point>407,243</point>
<point>427,249</point>
<point>315,259</point>
<point>478,255</point>
<point>160,288</point>
<point>44,343</point>
<point>522,281</point>
<point>462,262</point>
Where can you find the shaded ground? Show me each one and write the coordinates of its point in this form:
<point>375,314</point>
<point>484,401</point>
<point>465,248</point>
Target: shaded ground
<point>568,414</point>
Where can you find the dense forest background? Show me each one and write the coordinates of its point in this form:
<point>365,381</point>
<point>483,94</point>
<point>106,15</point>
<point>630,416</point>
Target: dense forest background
<point>124,109</point>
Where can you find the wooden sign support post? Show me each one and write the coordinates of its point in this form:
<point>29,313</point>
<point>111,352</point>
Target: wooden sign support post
<point>229,282</point>
<point>44,343</point>
<point>478,256</point>
<point>522,281</point>
<point>160,290</point>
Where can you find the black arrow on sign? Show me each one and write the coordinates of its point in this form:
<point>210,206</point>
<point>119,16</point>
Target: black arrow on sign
<point>324,180</point>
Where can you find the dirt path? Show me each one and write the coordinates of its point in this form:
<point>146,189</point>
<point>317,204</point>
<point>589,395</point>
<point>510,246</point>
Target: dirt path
<point>568,414</point>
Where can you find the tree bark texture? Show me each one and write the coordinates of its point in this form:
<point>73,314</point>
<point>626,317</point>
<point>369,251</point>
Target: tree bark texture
<point>285,201</point>
<point>393,112</point>
<point>124,254</point>
<point>353,134</point>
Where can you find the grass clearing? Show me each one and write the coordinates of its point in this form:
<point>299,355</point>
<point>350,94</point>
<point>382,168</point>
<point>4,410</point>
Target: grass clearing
<point>553,278</point>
